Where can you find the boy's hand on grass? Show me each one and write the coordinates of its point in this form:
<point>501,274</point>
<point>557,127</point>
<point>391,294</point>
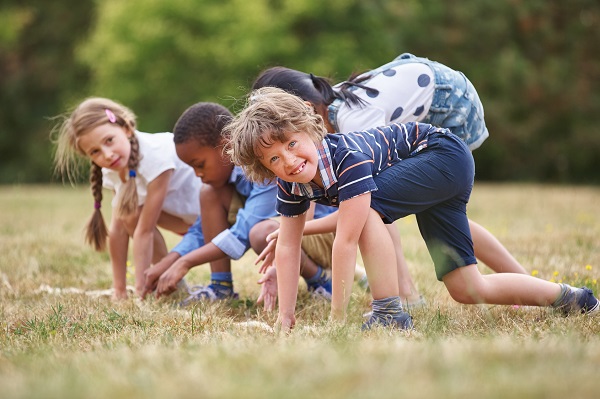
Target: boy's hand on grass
<point>153,273</point>
<point>167,283</point>
<point>268,291</point>
<point>268,254</point>
<point>285,323</point>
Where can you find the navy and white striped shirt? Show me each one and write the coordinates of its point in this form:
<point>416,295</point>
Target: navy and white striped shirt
<point>348,162</point>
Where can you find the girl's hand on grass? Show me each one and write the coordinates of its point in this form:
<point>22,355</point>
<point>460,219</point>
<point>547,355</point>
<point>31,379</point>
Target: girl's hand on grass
<point>119,294</point>
<point>152,275</point>
<point>268,291</point>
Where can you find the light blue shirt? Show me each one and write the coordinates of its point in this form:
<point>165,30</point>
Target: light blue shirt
<point>259,205</point>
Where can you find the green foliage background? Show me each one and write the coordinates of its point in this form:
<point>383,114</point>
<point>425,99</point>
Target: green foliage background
<point>535,64</point>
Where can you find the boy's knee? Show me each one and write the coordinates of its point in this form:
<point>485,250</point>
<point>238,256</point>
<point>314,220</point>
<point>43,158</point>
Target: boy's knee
<point>258,234</point>
<point>463,292</point>
<point>216,197</point>
<point>461,296</point>
<point>207,193</point>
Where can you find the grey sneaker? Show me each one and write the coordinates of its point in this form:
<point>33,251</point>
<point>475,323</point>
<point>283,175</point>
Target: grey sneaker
<point>211,293</point>
<point>401,321</point>
<point>320,292</point>
<point>418,304</point>
<point>587,303</point>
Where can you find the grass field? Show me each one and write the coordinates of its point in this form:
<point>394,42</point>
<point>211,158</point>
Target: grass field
<point>69,344</point>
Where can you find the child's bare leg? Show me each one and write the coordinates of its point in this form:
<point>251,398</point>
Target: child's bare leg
<point>408,291</point>
<point>214,205</point>
<point>467,285</point>
<point>491,251</point>
<point>377,248</point>
<point>118,248</point>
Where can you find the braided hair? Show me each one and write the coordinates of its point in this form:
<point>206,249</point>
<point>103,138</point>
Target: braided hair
<point>88,115</point>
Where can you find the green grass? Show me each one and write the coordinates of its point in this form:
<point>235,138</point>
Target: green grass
<point>73,345</point>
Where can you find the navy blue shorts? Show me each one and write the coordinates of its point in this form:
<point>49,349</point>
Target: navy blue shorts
<point>435,186</point>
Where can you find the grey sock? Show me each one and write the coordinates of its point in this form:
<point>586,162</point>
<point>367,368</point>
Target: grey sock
<point>565,297</point>
<point>387,306</point>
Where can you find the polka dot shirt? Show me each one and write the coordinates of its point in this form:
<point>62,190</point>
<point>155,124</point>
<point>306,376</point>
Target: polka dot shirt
<point>402,93</point>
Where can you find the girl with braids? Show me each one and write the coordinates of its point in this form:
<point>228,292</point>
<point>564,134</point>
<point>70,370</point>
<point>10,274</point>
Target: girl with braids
<point>407,89</point>
<point>152,186</point>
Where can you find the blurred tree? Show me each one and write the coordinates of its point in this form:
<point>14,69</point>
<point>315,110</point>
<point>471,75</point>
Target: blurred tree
<point>37,72</point>
<point>536,67</point>
<point>534,63</point>
<point>160,57</point>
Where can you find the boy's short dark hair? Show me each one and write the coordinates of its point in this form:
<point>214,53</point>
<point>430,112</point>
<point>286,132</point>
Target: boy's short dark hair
<point>203,122</point>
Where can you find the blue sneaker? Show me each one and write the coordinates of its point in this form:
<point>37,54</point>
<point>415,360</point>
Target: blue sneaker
<point>211,293</point>
<point>583,302</point>
<point>320,284</point>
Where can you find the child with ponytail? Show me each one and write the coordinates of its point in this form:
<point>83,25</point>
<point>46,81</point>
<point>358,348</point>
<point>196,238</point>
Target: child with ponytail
<point>152,186</point>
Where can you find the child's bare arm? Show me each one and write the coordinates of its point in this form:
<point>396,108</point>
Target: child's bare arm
<point>143,236</point>
<point>118,247</point>
<point>287,262</point>
<point>351,221</point>
<point>167,283</point>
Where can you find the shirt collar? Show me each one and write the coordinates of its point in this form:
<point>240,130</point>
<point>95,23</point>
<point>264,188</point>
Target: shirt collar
<point>325,169</point>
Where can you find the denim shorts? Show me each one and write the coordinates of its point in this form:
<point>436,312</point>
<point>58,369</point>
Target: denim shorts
<point>435,186</point>
<point>455,105</point>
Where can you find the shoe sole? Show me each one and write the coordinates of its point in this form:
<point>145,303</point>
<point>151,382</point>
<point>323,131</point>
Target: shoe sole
<point>594,310</point>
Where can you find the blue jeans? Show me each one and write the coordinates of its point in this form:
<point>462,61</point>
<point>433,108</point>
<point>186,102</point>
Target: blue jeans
<point>435,186</point>
<point>456,104</point>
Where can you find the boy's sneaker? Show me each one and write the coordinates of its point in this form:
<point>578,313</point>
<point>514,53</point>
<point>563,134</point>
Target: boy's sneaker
<point>401,321</point>
<point>585,302</point>
<point>320,285</point>
<point>418,304</point>
<point>321,292</point>
<point>211,293</point>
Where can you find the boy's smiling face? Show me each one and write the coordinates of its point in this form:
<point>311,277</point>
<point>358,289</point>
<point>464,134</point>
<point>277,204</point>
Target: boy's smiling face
<point>293,160</point>
<point>209,163</point>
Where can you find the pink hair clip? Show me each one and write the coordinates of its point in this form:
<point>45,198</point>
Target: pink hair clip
<point>111,117</point>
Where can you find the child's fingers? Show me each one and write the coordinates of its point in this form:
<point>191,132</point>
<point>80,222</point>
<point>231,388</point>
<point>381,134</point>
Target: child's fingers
<point>273,235</point>
<point>268,262</point>
<point>269,303</point>
<point>268,249</point>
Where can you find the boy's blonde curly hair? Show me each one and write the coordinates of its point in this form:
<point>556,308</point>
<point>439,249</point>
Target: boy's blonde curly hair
<point>270,115</point>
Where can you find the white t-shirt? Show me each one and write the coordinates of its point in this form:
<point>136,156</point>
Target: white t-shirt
<point>404,94</point>
<point>157,152</point>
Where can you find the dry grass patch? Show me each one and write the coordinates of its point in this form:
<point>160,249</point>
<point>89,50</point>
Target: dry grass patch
<point>73,345</point>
